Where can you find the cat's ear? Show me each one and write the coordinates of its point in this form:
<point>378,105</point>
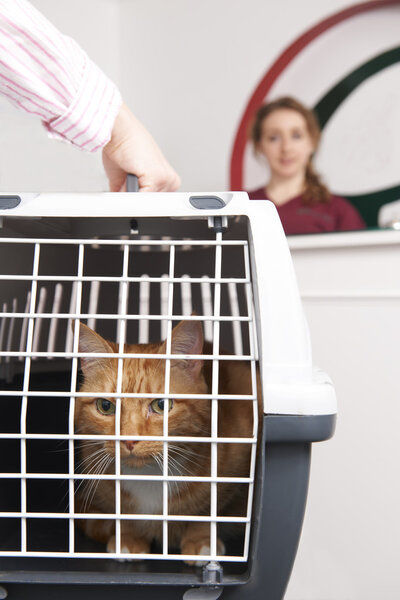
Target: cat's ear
<point>187,338</point>
<point>90,341</point>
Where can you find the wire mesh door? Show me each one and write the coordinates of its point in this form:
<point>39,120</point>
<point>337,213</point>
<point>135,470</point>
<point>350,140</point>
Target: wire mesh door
<point>111,351</point>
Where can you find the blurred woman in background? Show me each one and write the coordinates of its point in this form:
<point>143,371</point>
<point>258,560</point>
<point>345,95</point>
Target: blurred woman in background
<point>287,133</point>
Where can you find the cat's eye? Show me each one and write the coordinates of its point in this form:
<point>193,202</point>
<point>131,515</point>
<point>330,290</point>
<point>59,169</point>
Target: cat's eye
<point>158,405</point>
<point>105,407</point>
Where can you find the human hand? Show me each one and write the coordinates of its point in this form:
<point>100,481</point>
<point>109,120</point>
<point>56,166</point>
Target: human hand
<point>132,149</point>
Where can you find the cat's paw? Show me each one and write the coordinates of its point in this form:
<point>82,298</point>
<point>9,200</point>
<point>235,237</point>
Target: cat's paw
<point>201,548</point>
<point>129,545</point>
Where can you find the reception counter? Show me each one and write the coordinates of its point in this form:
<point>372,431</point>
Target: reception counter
<point>348,265</point>
<point>350,285</point>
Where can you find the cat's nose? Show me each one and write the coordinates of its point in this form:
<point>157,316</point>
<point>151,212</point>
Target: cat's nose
<point>130,444</point>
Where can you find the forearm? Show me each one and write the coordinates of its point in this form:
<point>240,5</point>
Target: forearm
<point>49,76</point>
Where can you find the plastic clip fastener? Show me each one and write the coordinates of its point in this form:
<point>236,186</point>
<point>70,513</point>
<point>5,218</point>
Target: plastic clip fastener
<point>207,202</point>
<point>7,202</point>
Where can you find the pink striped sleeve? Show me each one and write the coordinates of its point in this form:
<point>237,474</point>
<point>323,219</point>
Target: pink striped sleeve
<point>49,76</point>
<point>89,119</point>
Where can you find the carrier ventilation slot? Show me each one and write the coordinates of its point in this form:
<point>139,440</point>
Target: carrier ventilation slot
<point>14,324</point>
<point>49,344</point>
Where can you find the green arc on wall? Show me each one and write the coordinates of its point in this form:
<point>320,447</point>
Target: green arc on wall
<point>368,204</point>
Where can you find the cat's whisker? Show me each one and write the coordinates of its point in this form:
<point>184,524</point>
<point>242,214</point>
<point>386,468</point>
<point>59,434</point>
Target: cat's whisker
<point>172,462</point>
<point>179,468</point>
<point>173,485</point>
<point>178,465</point>
<point>85,482</point>
<point>90,443</point>
<point>89,459</point>
<point>88,446</point>
<point>158,458</point>
<point>86,465</point>
<point>77,487</point>
<point>99,469</point>
<point>95,482</point>
<point>90,468</point>
<point>87,487</point>
<point>182,452</point>
<point>93,453</point>
<point>95,465</point>
<point>179,452</point>
<point>183,446</point>
<point>180,458</point>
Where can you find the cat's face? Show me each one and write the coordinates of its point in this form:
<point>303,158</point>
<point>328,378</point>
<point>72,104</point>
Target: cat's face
<point>143,416</point>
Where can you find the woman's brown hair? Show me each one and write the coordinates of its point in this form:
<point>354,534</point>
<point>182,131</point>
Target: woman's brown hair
<point>315,191</point>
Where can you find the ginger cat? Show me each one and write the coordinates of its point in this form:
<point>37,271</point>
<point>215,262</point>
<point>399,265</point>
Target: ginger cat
<point>139,416</point>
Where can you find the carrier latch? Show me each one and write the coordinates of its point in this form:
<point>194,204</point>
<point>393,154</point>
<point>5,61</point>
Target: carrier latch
<point>203,593</point>
<point>219,224</point>
<point>212,575</point>
<point>4,593</point>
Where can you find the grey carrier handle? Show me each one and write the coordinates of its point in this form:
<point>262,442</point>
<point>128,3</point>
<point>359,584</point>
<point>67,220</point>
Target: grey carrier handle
<point>132,183</point>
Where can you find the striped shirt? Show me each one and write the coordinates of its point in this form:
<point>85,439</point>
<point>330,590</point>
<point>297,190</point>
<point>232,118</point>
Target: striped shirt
<point>49,76</point>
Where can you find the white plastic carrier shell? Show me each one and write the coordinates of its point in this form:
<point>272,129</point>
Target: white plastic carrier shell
<point>133,265</point>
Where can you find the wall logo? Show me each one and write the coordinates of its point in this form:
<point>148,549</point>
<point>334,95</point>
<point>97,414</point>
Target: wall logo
<point>347,68</point>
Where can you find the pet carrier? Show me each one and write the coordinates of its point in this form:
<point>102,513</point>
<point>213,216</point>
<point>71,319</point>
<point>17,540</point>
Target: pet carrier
<point>132,267</point>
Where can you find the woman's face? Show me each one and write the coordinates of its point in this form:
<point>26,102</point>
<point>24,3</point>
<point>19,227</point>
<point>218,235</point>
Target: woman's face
<point>286,143</point>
